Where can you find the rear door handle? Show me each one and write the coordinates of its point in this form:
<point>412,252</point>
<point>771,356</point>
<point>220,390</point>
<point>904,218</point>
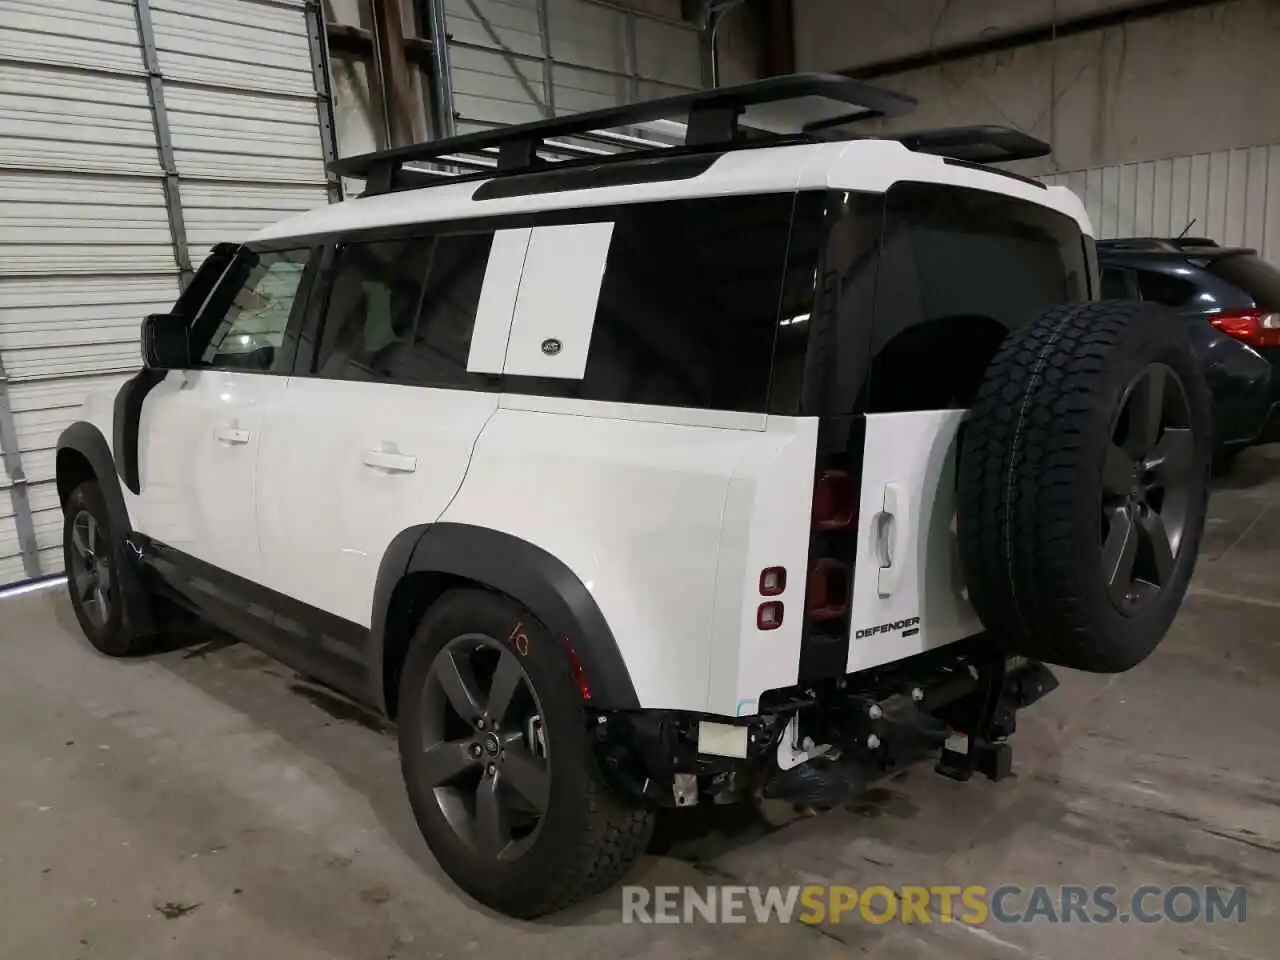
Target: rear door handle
<point>232,436</point>
<point>391,462</point>
<point>894,529</point>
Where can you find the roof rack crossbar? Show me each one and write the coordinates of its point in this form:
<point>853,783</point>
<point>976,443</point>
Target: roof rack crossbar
<point>714,119</point>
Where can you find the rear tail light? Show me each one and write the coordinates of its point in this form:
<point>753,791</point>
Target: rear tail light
<point>769,615</point>
<point>773,581</point>
<point>834,501</point>
<point>1254,327</point>
<point>828,595</point>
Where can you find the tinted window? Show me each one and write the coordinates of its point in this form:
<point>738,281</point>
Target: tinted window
<point>958,269</point>
<point>1115,285</point>
<point>1254,276</point>
<point>250,311</point>
<point>1165,289</point>
<point>688,308</point>
<point>404,310</point>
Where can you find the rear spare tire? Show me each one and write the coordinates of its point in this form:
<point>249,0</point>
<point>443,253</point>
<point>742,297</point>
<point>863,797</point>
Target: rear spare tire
<point>1084,479</point>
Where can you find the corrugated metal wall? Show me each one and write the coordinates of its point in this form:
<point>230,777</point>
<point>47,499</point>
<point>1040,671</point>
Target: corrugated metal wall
<point>514,61</point>
<point>88,244</point>
<point>1232,195</point>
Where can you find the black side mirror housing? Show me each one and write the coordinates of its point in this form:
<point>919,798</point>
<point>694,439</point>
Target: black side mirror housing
<point>166,343</point>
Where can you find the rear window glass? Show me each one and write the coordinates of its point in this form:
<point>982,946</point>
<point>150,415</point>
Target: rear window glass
<point>1251,274</point>
<point>1164,289</point>
<point>688,309</point>
<point>959,269</point>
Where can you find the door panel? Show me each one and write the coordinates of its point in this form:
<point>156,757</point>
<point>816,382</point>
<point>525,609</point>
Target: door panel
<point>380,438</point>
<point>200,429</point>
<point>200,435</point>
<point>345,467</point>
<point>909,594</point>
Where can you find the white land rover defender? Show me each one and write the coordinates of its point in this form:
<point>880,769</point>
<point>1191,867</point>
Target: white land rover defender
<point>625,475</point>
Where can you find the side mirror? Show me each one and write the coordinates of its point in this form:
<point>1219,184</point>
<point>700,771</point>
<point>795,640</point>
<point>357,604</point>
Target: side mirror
<point>165,342</point>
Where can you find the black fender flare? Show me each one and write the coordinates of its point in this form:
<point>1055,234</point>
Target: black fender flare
<point>87,440</point>
<point>522,571</point>
<point>128,420</point>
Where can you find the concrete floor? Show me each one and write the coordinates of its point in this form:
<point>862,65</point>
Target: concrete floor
<point>212,783</point>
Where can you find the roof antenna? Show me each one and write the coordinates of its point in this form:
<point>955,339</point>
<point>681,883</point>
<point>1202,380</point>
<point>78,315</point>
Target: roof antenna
<point>1186,228</point>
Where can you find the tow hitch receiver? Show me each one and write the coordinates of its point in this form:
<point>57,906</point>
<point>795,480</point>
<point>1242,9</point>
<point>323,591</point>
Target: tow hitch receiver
<point>828,753</point>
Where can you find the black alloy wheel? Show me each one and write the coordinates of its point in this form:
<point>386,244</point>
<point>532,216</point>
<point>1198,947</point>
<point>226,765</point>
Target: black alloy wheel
<point>486,748</point>
<point>90,571</point>
<point>1148,480</point>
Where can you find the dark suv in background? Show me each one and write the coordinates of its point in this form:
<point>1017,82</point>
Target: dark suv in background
<point>1232,298</point>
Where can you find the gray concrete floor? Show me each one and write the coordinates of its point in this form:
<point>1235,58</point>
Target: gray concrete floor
<point>213,779</point>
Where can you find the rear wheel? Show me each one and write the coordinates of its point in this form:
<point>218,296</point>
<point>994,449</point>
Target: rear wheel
<point>498,761</point>
<point>93,556</point>
<point>1084,481</point>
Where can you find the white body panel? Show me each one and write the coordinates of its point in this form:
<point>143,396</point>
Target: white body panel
<point>347,466</point>
<point>559,288</point>
<point>640,511</point>
<point>199,441</point>
<point>908,592</point>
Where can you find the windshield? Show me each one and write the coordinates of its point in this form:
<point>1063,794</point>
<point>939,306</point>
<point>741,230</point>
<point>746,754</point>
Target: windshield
<point>1251,274</point>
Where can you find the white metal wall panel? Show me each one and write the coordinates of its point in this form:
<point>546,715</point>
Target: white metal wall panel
<point>241,101</point>
<point>83,229</point>
<point>86,243</point>
<point>1232,195</point>
<point>515,61</point>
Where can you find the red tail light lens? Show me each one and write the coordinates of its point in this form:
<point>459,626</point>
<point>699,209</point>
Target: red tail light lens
<point>834,501</point>
<point>773,581</point>
<point>828,595</point>
<point>1254,327</point>
<point>769,615</point>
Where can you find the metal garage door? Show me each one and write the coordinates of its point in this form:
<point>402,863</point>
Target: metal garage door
<point>133,135</point>
<point>514,61</point>
<point>1232,195</point>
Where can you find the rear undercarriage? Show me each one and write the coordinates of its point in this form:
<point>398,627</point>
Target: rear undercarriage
<point>818,745</point>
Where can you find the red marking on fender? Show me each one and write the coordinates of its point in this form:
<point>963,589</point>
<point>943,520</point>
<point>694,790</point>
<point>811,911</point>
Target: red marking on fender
<point>519,639</point>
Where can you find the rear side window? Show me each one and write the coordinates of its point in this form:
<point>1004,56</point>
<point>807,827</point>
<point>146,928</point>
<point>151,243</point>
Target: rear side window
<point>1251,274</point>
<point>403,311</point>
<point>1162,288</point>
<point>960,268</point>
<point>688,307</point>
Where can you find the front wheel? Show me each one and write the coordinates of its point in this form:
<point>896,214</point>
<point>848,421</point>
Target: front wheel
<point>498,761</point>
<point>93,556</point>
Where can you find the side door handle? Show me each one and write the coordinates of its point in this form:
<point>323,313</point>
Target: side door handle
<point>391,462</point>
<point>231,436</point>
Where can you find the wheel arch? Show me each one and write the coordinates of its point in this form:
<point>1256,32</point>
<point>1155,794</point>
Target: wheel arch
<point>81,447</point>
<point>424,561</point>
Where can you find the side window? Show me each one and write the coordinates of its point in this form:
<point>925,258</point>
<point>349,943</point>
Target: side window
<point>1115,284</point>
<point>403,311</point>
<point>688,308</point>
<point>251,310</point>
<point>959,269</point>
<point>1164,289</point>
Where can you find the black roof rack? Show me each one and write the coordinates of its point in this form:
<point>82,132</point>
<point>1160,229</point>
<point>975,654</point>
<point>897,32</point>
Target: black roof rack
<point>801,108</point>
<point>780,108</point>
